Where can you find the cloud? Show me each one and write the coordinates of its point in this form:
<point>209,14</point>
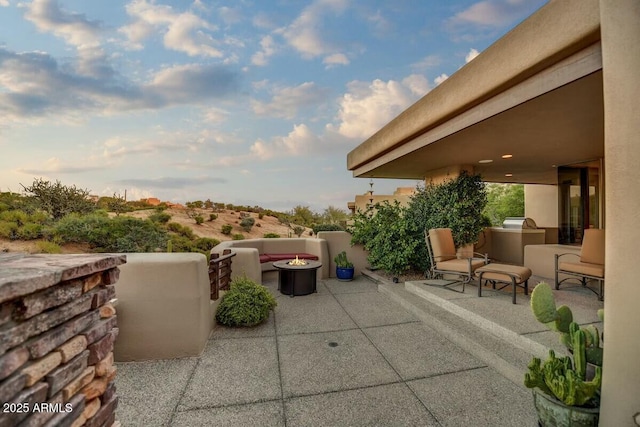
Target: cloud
<point>171,182</point>
<point>74,28</point>
<point>305,32</point>
<point>472,54</point>
<point>4,3</point>
<point>119,147</point>
<point>214,115</point>
<point>368,106</point>
<point>286,101</point>
<point>442,77</point>
<point>336,59</point>
<point>55,165</point>
<point>301,140</point>
<point>492,13</point>
<point>36,85</point>
<point>427,62</point>
<point>230,15</point>
<point>183,32</point>
<point>268,49</point>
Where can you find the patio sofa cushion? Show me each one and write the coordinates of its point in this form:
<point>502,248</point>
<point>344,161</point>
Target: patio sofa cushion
<point>286,256</point>
<point>589,269</point>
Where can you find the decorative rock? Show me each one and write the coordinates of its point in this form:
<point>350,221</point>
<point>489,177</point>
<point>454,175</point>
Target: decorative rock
<point>92,281</point>
<point>91,407</point>
<point>104,366</point>
<point>40,301</point>
<point>109,392</point>
<point>11,337</point>
<point>95,388</point>
<point>66,419</point>
<point>72,348</point>
<point>103,296</point>
<point>12,360</point>
<point>104,414</point>
<point>6,311</point>
<point>111,276</point>
<point>66,373</point>
<point>10,387</point>
<point>102,347</point>
<point>42,367</point>
<point>100,329</point>
<point>40,414</point>
<point>78,383</point>
<point>46,342</point>
<point>107,311</point>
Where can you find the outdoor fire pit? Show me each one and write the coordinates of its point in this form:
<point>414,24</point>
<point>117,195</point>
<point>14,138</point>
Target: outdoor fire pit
<point>297,277</point>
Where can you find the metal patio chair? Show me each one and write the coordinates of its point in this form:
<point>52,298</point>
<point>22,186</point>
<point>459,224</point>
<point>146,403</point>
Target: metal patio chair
<point>591,263</point>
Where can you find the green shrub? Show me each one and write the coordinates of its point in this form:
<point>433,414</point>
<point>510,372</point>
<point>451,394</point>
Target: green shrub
<point>271,236</point>
<point>245,304</point>
<point>298,230</point>
<point>213,217</point>
<point>260,215</point>
<point>8,230</point>
<point>226,229</point>
<point>17,216</point>
<point>205,244</point>
<point>182,230</point>
<point>48,247</point>
<point>180,243</point>
<point>199,219</point>
<point>327,227</point>
<point>160,217</point>
<point>30,231</point>
<point>238,236</point>
<point>247,223</point>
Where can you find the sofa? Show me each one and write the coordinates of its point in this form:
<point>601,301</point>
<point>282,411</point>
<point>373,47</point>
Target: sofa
<point>255,256</point>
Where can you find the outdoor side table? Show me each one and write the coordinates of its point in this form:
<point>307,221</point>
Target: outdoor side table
<point>297,280</point>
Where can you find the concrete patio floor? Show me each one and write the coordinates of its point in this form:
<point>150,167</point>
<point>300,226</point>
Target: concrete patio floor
<point>355,353</point>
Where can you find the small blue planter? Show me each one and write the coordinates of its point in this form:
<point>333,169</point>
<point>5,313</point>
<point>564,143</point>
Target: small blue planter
<point>344,274</point>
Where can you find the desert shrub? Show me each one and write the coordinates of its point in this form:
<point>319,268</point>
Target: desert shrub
<point>327,227</point>
<point>213,217</point>
<point>260,215</point>
<point>247,223</point>
<point>199,219</point>
<point>182,230</point>
<point>226,229</point>
<point>238,236</point>
<point>29,231</point>
<point>17,216</point>
<point>119,234</point>
<point>271,236</point>
<point>298,230</point>
<point>48,247</point>
<point>160,217</point>
<point>59,200</point>
<point>205,244</point>
<point>245,304</point>
<point>8,230</point>
<point>180,244</point>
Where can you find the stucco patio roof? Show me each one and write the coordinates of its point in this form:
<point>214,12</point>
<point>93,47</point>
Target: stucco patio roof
<point>536,94</point>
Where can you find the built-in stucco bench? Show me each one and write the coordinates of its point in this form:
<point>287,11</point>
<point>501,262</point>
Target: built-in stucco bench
<point>513,275</point>
<point>256,256</point>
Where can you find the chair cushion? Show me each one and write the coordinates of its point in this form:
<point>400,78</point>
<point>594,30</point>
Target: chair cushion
<point>592,251</point>
<point>596,270</point>
<point>503,272</point>
<point>285,256</point>
<point>460,265</point>
<point>442,244</point>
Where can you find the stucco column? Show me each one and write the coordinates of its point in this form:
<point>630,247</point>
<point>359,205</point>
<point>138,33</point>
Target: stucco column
<point>621,64</point>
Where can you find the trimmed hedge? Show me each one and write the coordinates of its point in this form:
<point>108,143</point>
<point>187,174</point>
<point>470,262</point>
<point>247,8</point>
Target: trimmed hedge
<point>245,304</point>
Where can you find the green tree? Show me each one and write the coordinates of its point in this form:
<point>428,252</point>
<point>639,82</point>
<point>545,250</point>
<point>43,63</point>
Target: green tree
<point>504,200</point>
<point>59,200</point>
<point>333,215</point>
<point>303,215</point>
<point>208,204</point>
<point>117,204</point>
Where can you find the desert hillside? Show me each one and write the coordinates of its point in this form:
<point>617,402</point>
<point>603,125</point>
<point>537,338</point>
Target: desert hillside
<point>213,229</point>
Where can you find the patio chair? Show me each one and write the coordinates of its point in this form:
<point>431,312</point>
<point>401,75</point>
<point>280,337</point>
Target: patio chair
<point>591,263</point>
<point>445,260</point>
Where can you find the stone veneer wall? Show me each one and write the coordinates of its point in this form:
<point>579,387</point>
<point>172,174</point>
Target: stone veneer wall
<point>57,329</point>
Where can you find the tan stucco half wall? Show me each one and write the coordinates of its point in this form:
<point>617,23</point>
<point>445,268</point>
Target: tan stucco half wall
<point>339,241</point>
<point>560,28</point>
<point>164,307</point>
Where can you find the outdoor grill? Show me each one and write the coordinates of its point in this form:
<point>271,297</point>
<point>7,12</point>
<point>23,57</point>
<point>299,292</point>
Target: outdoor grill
<point>519,223</point>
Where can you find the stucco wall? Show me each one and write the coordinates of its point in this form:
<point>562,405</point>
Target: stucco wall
<point>541,204</point>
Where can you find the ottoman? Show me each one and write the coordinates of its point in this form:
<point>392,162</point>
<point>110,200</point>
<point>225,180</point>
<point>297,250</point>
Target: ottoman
<point>513,275</point>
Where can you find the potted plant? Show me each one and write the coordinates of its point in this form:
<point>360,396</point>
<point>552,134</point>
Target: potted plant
<point>344,267</point>
<point>565,392</point>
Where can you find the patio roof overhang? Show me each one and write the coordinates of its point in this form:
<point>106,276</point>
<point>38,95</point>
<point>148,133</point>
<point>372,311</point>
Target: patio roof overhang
<point>535,94</point>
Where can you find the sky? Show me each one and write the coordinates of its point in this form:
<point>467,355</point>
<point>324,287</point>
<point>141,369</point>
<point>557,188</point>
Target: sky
<point>245,102</point>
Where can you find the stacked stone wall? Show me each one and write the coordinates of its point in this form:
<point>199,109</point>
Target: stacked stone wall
<point>58,325</point>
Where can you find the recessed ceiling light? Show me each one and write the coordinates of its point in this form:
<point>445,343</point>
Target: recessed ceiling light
<point>507,156</point>
<point>485,161</point>
<point>508,174</point>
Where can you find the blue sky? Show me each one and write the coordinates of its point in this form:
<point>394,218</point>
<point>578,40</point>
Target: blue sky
<point>245,102</point>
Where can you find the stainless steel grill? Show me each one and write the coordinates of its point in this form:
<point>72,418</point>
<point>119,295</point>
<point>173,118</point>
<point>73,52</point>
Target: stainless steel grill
<point>520,223</point>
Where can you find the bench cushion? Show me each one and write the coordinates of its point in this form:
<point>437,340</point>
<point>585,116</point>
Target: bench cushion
<point>461,265</point>
<point>285,256</point>
<point>504,272</point>
<point>596,270</point>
